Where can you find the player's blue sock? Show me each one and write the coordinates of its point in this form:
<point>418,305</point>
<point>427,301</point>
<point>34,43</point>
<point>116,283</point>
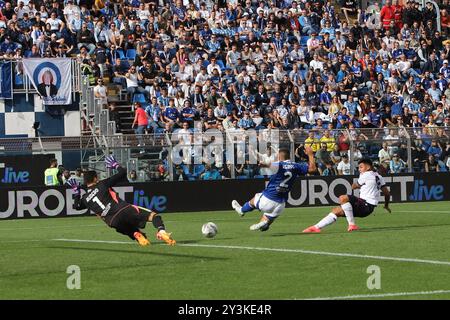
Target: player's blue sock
<point>247,207</point>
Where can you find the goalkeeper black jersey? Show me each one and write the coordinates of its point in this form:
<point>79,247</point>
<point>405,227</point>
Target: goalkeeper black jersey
<point>102,199</point>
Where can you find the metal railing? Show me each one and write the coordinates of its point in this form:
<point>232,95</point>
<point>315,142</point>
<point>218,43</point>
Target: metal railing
<point>166,155</point>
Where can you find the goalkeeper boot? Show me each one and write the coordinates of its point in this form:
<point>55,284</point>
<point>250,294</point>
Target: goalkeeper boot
<point>166,237</point>
<point>312,229</point>
<point>237,207</point>
<point>141,239</point>
<point>352,227</point>
<point>262,225</point>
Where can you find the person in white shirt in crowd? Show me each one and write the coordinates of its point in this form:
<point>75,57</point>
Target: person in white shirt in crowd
<point>344,167</point>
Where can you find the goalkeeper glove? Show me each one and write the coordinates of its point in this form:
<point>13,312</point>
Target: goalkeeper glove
<point>111,162</point>
<point>73,183</point>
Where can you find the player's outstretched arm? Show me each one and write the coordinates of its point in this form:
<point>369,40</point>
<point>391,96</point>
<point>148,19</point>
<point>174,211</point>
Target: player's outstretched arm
<point>387,198</point>
<point>311,161</point>
<point>111,163</point>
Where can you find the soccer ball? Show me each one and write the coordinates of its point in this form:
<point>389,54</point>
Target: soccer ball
<point>209,229</point>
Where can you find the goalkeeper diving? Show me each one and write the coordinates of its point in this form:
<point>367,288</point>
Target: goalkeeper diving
<point>126,218</point>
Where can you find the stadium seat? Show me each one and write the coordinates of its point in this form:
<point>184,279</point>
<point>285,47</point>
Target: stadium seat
<point>121,54</point>
<point>131,54</point>
<point>242,177</point>
<point>304,40</point>
<point>139,97</point>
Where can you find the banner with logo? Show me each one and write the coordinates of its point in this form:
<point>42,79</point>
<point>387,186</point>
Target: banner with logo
<point>52,78</point>
<point>6,91</point>
<point>44,202</point>
<point>16,170</point>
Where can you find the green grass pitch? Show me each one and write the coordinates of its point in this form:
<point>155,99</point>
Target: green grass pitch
<point>236,264</point>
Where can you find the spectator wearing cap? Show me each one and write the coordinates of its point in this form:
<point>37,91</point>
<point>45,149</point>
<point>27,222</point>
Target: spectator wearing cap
<point>344,167</point>
<point>445,69</point>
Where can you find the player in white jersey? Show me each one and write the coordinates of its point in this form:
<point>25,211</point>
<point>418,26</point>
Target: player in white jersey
<point>370,183</point>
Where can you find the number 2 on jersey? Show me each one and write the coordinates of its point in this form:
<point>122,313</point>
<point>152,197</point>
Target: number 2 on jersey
<point>287,174</point>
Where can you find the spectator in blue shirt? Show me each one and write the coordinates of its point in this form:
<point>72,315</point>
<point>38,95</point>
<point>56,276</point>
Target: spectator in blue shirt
<point>188,113</point>
<point>434,149</point>
<point>352,106</point>
<point>210,173</point>
<point>397,107</point>
<point>171,114</point>
<point>246,122</point>
<point>8,46</point>
<point>396,165</point>
<point>343,119</point>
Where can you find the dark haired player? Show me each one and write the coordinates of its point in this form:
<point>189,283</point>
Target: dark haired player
<point>272,200</point>
<point>370,183</point>
<point>127,219</point>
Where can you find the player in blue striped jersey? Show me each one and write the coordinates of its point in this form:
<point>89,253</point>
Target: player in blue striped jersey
<point>272,200</point>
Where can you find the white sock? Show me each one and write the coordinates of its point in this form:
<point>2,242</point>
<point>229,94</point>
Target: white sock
<point>347,207</point>
<point>329,219</point>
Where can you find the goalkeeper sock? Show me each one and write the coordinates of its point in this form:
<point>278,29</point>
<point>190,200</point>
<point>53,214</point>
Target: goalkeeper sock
<point>329,219</point>
<point>347,207</point>
<point>247,207</point>
<point>158,223</point>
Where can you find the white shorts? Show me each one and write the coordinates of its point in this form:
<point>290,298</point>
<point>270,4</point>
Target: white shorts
<point>269,207</point>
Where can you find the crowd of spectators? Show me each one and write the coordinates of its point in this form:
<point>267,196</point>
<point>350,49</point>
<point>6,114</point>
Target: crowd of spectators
<point>243,64</point>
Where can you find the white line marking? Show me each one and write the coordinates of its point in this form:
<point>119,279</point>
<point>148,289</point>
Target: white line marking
<point>414,211</point>
<point>382,295</point>
<point>323,253</point>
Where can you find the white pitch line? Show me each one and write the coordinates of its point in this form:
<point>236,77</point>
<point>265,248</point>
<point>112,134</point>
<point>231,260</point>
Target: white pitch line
<point>382,295</point>
<point>414,211</point>
<point>323,253</point>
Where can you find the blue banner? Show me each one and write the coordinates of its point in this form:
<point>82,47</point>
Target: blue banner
<point>6,80</point>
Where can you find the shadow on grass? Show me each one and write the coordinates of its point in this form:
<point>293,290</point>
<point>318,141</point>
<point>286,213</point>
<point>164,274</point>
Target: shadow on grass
<point>363,229</point>
<point>402,227</point>
<point>306,234</point>
<point>141,251</point>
